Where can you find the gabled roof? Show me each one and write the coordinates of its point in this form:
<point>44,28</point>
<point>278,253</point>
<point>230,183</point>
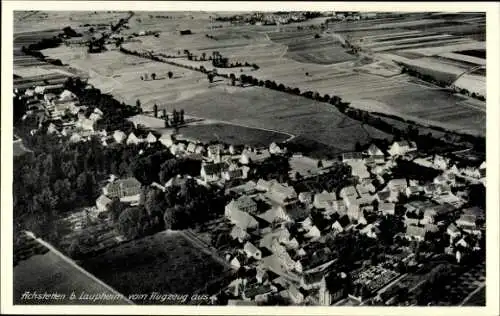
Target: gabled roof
<point>245,202</point>
<point>373,150</point>
<point>297,213</point>
<point>104,200</point>
<point>151,138</point>
<point>239,233</point>
<point>215,168</point>
<point>274,215</point>
<point>453,228</point>
<point>242,219</point>
<point>351,155</point>
<point>416,231</point>
<point>349,191</point>
<point>250,248</point>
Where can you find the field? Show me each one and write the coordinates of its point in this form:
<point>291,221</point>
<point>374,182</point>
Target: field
<point>165,262</point>
<point>263,108</point>
<point>297,59</point>
<point>231,134</point>
<point>49,273</point>
<point>304,47</point>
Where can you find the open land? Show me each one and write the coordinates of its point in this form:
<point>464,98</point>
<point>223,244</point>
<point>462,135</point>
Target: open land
<point>52,273</point>
<point>146,266</point>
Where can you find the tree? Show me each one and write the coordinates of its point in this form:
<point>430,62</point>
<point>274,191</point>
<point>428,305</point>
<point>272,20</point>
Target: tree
<point>153,76</point>
<point>210,77</point>
<point>165,120</point>
<point>155,110</point>
<point>138,103</point>
<point>320,164</point>
<point>164,113</point>
<point>357,146</point>
<point>175,116</point>
<point>203,56</point>
<point>170,75</point>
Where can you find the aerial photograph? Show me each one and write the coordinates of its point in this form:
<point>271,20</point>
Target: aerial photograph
<point>305,158</point>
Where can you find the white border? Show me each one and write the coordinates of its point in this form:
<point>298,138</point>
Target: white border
<point>493,84</point>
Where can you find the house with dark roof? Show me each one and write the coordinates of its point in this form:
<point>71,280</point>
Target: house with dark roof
<point>211,172</point>
<point>122,188</point>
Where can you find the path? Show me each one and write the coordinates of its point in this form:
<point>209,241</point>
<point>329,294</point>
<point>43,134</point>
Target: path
<point>191,237</point>
<point>74,265</point>
<point>480,287</point>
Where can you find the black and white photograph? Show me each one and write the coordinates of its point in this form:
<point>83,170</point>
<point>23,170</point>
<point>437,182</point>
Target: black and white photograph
<point>267,157</point>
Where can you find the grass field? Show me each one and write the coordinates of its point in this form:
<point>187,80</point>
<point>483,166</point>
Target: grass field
<point>263,108</point>
<point>231,134</point>
<point>165,262</point>
<point>51,274</point>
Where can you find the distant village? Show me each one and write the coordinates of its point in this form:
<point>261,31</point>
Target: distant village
<point>280,236</point>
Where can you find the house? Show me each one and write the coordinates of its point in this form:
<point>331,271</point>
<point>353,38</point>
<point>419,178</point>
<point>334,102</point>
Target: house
<point>254,156</point>
<point>166,140</point>
<point>440,162</point>
<point>411,221</point>
<point>119,136</point>
<point>433,228</point>
<point>235,263</point>
<point>373,150</point>
<point>276,214</point>
<point>238,217</point>
<point>387,208</point>
<point>370,231</point>
<point>475,211</point>
<point>306,197</point>
<point>383,196</point>
<point>240,173</point>
<point>297,212</point>
<point>251,251</point>
<point>151,138</point>
<point>102,203</point>
<point>281,193</point>
<point>292,295</point>
<point>324,199</point>
<point>261,275</point>
<point>415,232</point>
<point>122,188</point>
<point>95,117</point>
<point>52,129</point>
<point>453,231</point>
<point>337,228</point>
<point>259,293</point>
<point>75,138</point>
<point>275,149</point>
<point>430,189</point>
<point>132,139</point>
<point>215,151</point>
<point>348,192</point>
<point>352,157</point>
<point>358,169</point>
<point>399,148</point>
<point>413,190</point>
<point>281,235</point>
<point>314,233</point>
<point>213,171</point>
<point>312,280</point>
<point>466,221</point>
<point>440,180</point>
<point>398,185</point>
<point>339,207</point>
<point>240,234</point>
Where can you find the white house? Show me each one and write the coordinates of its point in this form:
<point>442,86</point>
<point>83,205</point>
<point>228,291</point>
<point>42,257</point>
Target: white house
<point>166,140</point>
<point>102,203</point>
<point>132,139</point>
<point>151,138</point>
<point>324,199</point>
<point>402,147</point>
<point>252,251</point>
<point>119,136</point>
<point>275,149</point>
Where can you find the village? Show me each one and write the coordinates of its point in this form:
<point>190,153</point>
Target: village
<point>279,237</point>
<point>124,191</point>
